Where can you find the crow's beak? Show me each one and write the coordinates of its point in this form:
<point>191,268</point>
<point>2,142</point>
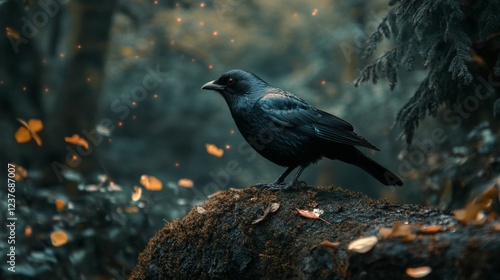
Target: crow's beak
<point>212,86</point>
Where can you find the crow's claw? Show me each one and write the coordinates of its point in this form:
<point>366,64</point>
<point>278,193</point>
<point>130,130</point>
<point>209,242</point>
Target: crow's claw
<point>276,186</point>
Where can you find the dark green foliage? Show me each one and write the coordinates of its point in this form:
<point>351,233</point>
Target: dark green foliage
<point>440,33</point>
<point>105,229</point>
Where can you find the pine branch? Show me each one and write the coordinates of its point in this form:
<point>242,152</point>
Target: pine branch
<point>440,33</point>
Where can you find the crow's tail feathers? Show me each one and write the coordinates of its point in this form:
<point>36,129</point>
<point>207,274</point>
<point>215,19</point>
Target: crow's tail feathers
<point>378,172</point>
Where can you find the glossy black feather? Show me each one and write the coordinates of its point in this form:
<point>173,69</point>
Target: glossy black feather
<point>290,132</point>
<point>294,113</point>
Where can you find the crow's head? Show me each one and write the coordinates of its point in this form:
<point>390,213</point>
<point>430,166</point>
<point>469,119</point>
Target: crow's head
<point>236,82</point>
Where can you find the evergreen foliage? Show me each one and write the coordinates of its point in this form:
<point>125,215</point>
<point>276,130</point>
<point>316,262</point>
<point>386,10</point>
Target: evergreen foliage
<point>442,33</point>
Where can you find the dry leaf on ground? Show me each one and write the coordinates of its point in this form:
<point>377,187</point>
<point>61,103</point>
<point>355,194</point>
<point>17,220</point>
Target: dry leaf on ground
<point>362,245</point>
<point>270,209</point>
<point>418,272</point>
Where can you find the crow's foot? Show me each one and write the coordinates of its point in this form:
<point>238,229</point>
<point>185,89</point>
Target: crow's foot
<point>277,186</point>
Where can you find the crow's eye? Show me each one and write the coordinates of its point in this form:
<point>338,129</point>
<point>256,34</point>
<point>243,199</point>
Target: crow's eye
<point>230,81</point>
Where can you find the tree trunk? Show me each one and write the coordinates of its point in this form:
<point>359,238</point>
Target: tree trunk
<point>77,106</point>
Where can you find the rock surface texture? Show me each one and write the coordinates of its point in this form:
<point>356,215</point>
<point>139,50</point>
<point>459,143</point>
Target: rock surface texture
<point>258,234</point>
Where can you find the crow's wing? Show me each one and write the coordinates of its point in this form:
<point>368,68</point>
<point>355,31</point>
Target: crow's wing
<point>292,112</point>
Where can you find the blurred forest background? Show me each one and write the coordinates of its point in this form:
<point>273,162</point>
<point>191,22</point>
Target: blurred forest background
<point>102,113</point>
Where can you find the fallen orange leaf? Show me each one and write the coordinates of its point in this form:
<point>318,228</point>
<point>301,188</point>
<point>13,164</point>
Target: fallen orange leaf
<point>217,193</point>
<point>13,34</point>
<point>308,214</point>
<point>136,195</point>
<point>132,209</point>
<point>418,272</point>
<point>327,243</point>
<point>214,151</point>
<point>430,229</point>
<point>473,210</point>
<point>401,230</point>
<point>362,245</point>
<point>20,173</point>
<point>398,230</point>
<point>77,140</point>
<point>315,214</point>
<point>151,183</point>
<point>114,187</point>
<point>495,227</point>
<point>34,125</point>
<point>385,232</point>
<point>22,135</point>
<point>25,133</point>
<point>186,183</point>
<point>273,207</point>
<point>58,238</point>
<point>200,210</point>
<point>60,204</point>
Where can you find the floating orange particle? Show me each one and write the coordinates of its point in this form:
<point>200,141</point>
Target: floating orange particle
<point>127,51</point>
<point>28,231</point>
<point>13,34</point>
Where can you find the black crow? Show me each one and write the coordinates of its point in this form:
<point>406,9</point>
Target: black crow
<point>286,130</point>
